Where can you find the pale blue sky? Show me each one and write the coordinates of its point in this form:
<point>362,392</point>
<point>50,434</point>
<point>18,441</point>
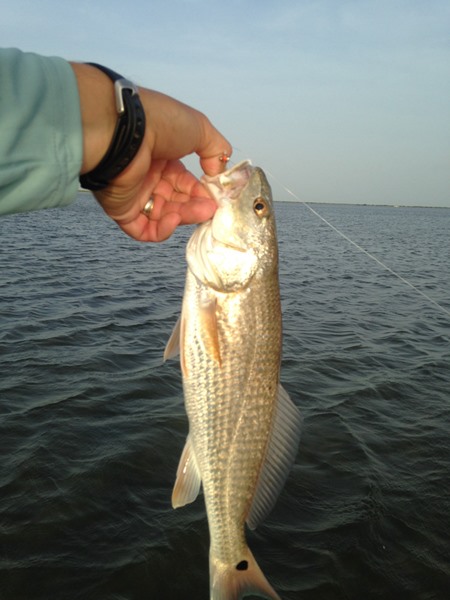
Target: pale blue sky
<point>341,100</point>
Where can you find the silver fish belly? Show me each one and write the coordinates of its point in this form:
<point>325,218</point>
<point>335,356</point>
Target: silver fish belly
<point>243,428</point>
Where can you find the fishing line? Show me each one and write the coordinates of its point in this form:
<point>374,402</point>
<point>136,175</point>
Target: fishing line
<point>360,248</point>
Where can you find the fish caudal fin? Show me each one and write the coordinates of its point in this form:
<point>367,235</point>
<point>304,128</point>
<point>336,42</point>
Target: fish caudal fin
<point>240,580</point>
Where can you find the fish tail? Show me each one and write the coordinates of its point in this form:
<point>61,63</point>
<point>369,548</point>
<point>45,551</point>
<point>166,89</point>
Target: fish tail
<point>233,582</point>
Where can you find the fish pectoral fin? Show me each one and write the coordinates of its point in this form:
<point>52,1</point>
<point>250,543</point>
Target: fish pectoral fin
<point>208,319</point>
<point>280,455</point>
<point>188,481</point>
<point>173,345</point>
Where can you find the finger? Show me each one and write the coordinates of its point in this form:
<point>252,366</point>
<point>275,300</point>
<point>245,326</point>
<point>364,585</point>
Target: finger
<point>213,147</point>
<point>143,229</point>
<point>167,226</point>
<point>215,164</point>
<point>179,185</point>
<point>197,211</point>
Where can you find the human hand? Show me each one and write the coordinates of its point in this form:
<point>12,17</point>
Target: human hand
<point>178,199</point>
<point>173,130</point>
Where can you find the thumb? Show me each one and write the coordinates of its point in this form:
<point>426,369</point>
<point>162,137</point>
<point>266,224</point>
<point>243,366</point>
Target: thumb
<point>214,150</point>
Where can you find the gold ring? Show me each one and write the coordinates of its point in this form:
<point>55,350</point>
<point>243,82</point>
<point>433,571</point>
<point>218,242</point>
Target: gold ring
<point>224,157</point>
<point>147,210</point>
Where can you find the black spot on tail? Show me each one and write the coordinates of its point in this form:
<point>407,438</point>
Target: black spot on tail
<point>242,566</point>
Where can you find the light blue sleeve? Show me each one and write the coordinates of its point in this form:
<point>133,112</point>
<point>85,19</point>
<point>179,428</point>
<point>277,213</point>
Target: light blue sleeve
<point>40,132</point>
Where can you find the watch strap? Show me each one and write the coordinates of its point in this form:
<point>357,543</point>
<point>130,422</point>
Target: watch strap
<point>127,137</point>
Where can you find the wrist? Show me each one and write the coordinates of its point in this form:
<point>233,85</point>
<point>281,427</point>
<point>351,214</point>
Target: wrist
<point>98,113</point>
<point>128,133</point>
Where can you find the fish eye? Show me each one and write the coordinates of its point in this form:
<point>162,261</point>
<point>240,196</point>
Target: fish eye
<point>260,207</point>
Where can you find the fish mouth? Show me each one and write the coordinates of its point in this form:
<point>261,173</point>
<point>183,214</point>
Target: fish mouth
<point>230,183</point>
<point>226,188</point>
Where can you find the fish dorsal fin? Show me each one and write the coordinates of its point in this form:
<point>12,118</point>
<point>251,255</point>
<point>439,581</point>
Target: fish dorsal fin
<point>208,323</point>
<point>281,453</point>
<point>173,345</point>
<point>188,481</point>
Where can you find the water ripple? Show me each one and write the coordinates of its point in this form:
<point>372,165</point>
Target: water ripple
<point>92,422</point>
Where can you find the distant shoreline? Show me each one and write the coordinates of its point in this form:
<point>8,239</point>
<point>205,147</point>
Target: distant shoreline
<point>361,204</point>
<point>82,191</point>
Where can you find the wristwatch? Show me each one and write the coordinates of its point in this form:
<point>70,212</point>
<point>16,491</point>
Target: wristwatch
<point>127,137</point>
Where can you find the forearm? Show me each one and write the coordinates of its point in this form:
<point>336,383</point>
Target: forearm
<point>40,140</point>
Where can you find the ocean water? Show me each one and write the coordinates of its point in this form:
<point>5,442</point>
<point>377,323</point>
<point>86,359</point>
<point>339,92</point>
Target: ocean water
<point>92,421</point>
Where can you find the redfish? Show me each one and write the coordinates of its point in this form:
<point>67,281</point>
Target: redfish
<point>243,428</point>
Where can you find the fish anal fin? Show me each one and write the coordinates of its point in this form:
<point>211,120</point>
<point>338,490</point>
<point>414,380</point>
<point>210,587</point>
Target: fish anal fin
<point>281,452</point>
<point>208,324</point>
<point>188,481</point>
